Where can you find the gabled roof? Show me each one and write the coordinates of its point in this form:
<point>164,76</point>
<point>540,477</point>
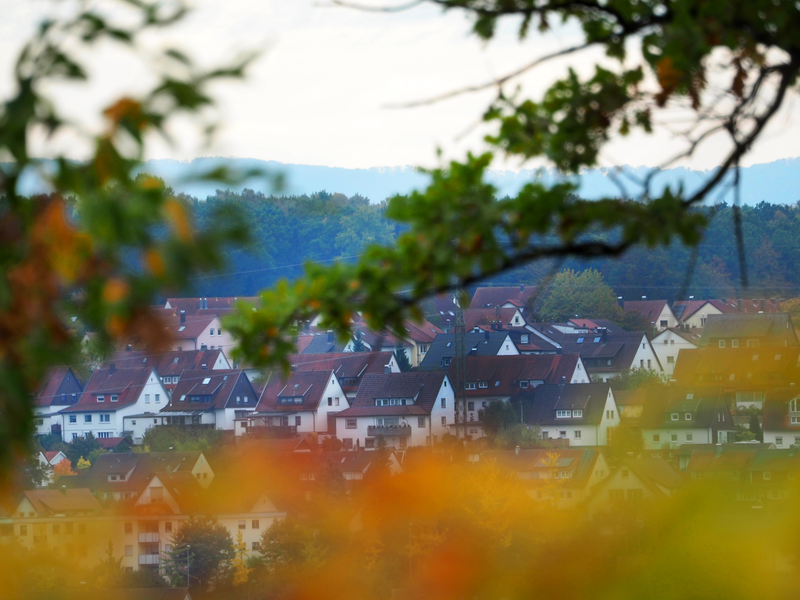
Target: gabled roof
<point>684,309</point>
<point>656,473</point>
<point>52,502</point>
<point>741,367</point>
<point>542,402</point>
<point>423,332</point>
<point>489,297</point>
<point>218,386</point>
<point>54,378</point>
<point>167,364</point>
<point>345,365</point>
<point>770,328</point>
<point>423,386</point>
<point>127,384</point>
<point>619,347</point>
<point>192,327</point>
<point>702,403</point>
<point>308,385</point>
<point>483,317</point>
<point>488,343</point>
<point>194,305</point>
<point>690,335</point>
<point>504,373</point>
<point>725,458</point>
<point>649,309</point>
<point>579,462</point>
<point>776,461</point>
<point>139,466</point>
<point>322,344</point>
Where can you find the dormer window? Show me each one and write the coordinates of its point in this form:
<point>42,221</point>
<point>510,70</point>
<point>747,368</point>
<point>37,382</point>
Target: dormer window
<point>793,405</point>
<point>470,385</point>
<point>675,417</point>
<point>688,416</point>
<point>446,361</point>
<point>577,413</point>
<point>722,343</point>
<point>523,339</point>
<point>101,398</point>
<point>483,384</point>
<point>563,414</point>
<point>114,398</point>
<point>523,384</point>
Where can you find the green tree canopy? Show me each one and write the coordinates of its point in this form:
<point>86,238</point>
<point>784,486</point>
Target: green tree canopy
<point>572,294</point>
<point>202,551</point>
<point>496,416</point>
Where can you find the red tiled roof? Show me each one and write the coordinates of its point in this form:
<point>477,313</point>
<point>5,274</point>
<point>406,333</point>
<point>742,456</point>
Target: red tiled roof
<point>650,309</point>
<point>127,384</point>
<point>422,385</point>
<point>503,373</point>
<point>166,364</point>
<point>486,297</point>
<point>476,317</point>
<point>46,502</point>
<point>310,385</point>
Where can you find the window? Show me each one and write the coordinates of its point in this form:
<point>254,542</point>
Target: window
<point>577,413</point>
<point>609,414</point>
<point>444,421</point>
<point>722,343</point>
<point>688,416</point>
<point>767,476</point>
<point>147,398</point>
<point>670,360</point>
<point>330,401</point>
<point>156,494</point>
<point>656,437</point>
<point>168,527</point>
<point>255,524</point>
<point>752,343</point>
<point>641,363</point>
<point>779,441</point>
<point>674,437</point>
<point>443,403</point>
<point>664,323</point>
<point>297,421</point>
<point>577,434</point>
<point>129,550</point>
<point>734,343</point>
<point>483,384</point>
<point>563,414</point>
<point>158,398</point>
<point>350,423</point>
<point>672,342</point>
<point>73,418</point>
<point>625,473</point>
<point>242,524</point>
<point>23,530</point>
<point>348,443</point>
<point>369,443</point>
<point>675,416</point>
<point>104,434</point>
<point>114,398</point>
<point>446,361</point>
<point>256,545</point>
<point>689,437</point>
<point>87,418</point>
<point>128,528</point>
<point>793,405</point>
<point>105,418</point>
<point>470,406</point>
<point>101,398</point>
<point>523,384</point>
<point>211,331</point>
<point>423,349</point>
<point>421,422</point>
<point>470,385</point>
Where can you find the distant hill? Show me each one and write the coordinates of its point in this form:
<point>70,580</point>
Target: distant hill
<point>776,182</point>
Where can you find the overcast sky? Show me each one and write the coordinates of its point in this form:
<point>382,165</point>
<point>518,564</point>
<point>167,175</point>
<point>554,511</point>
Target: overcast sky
<point>319,93</point>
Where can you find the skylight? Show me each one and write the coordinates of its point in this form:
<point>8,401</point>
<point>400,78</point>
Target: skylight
<point>182,327</point>
<point>207,380</point>
<point>580,340</point>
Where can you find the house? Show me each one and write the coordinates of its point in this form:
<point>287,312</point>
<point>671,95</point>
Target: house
<point>61,388</point>
<point>110,395</point>
<point>675,415</point>
<point>405,409</point>
<point>487,343</point>
<point>325,343</point>
<point>630,404</point>
<point>723,463</point>
<point>669,342</point>
<point>51,458</point>
<point>656,312</point>
<point>774,476</point>
<point>353,465</point>
<point>502,378</point>
<point>219,306</point>
<point>751,331</point>
<point>122,476</point>
<point>583,413</point>
<point>349,367</point>
<point>781,424</point>
<point>744,374</point>
<point>170,365</point>
<point>198,332</point>
<point>502,296</point>
<point>212,398</point>
<point>636,481</point>
<point>564,477</point>
<point>36,504</point>
<point>305,402</point>
<point>694,313</point>
<point>605,354</point>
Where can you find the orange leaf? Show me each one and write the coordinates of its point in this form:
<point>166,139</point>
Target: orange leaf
<point>115,290</point>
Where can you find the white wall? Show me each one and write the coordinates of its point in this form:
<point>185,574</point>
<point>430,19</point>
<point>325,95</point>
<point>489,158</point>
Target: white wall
<point>787,438</point>
<point>699,436</point>
<point>667,345</point>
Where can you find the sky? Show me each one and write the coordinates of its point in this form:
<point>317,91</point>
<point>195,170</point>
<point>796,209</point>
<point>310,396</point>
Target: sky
<point>321,91</point>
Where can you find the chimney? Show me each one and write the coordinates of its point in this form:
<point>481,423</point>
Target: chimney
<point>739,305</point>
<point>603,334</point>
<point>763,305</point>
<point>330,335</point>
<point>128,348</point>
<point>64,490</point>
<point>620,301</point>
<point>111,368</point>
<point>486,335</point>
<point>644,297</point>
<point>387,369</point>
<point>516,450</point>
<point>497,314</point>
<point>562,381</point>
<point>522,288</point>
<point>183,316</point>
<point>200,305</point>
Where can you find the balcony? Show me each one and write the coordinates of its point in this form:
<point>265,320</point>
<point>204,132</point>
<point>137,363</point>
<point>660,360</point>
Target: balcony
<point>145,538</point>
<point>389,430</point>
<point>148,559</point>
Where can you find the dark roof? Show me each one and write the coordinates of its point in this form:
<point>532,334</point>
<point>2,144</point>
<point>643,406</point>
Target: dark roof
<point>773,329</point>
<point>740,367</point>
<point>484,317</point>
<point>345,365</point>
<point>578,461</point>
<point>726,458</point>
<point>619,347</point>
<point>141,467</point>
<point>776,409</point>
<point>49,502</point>
<point>488,343</point>
<point>702,403</point>
<point>218,386</point>
<point>503,373</point>
<point>423,386</point>
<point>684,309</point>
<point>219,305</point>
<point>489,297</point>
<point>308,385</point>
<point>127,384</point>
<point>541,403</point>
<point>166,364</point>
<point>321,344</point>
<point>111,442</point>
<point>165,593</point>
<point>55,378</point>
<point>776,460</point>
<point>649,309</point>
<point>191,328</point>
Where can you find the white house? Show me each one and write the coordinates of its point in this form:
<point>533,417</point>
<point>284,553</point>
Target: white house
<point>61,388</point>
<point>669,343</point>
<point>677,415</point>
<point>405,409</point>
<point>656,312</point>
<point>782,417</point>
<point>110,395</point>
<point>606,353</point>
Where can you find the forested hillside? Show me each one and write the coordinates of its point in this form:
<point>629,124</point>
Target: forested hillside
<point>289,230</point>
